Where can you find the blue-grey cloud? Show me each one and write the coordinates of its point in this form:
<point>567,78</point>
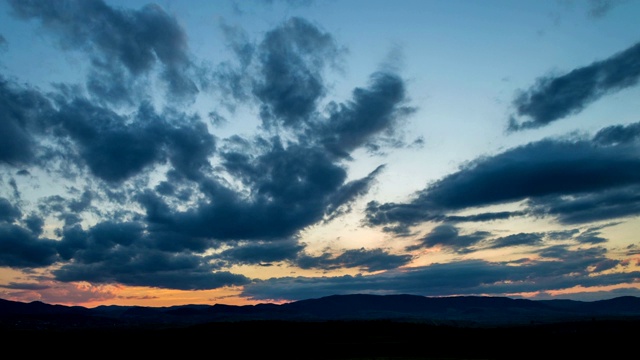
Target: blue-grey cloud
<point>373,112</point>
<point>609,204</point>
<point>489,216</point>
<point>292,58</point>
<point>25,286</point>
<point>116,252</point>
<point>284,73</point>
<point>153,270</point>
<point>363,259</point>
<point>448,236</point>
<point>158,180</point>
<point>292,187</point>
<point>469,277</point>
<point>116,147</point>
<point>261,252</point>
<point>520,239</point>
<point>21,111</point>
<point>20,248</point>
<point>8,212</point>
<point>555,97</point>
<point>618,134</point>
<point>123,44</point>
<point>601,178</point>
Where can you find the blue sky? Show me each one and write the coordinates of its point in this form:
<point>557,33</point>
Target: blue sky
<point>174,152</point>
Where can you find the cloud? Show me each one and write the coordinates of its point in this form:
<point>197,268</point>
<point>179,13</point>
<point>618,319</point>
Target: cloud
<point>529,239</point>
<point>373,111</point>
<point>284,75</point>
<point>363,259</point>
<point>151,197</point>
<point>290,186</point>
<point>555,97</point>
<point>261,252</point>
<point>618,134</point>
<point>600,8</point>
<point>21,110</point>
<point>468,277</point>
<point>122,44</point>
<point>20,248</point>
<point>291,60</point>
<point>589,207</point>
<point>111,253</point>
<point>448,236</point>
<point>117,147</point>
<point>574,180</point>
<point>8,212</point>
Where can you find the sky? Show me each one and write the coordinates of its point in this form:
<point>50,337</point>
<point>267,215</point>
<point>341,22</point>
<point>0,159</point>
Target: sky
<point>242,152</point>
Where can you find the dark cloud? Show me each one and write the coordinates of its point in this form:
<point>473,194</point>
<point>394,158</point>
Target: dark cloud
<point>556,97</point>
<point>82,203</point>
<point>363,259</point>
<point>520,239</point>
<point>562,234</point>
<point>20,248</point>
<point>116,40</point>
<point>34,223</point>
<point>261,252</point>
<point>8,212</point>
<point>291,59</point>
<point>125,253</point>
<point>573,180</point>
<point>608,204</point>
<point>469,277</point>
<point>618,134</point>
<point>600,8</point>
<point>289,187</point>
<point>283,73</point>
<point>117,147</point>
<point>21,111</point>
<point>159,270</point>
<point>372,112</point>
<point>340,201</point>
<point>591,237</point>
<point>25,286</point>
<point>489,216</point>
<point>448,236</point>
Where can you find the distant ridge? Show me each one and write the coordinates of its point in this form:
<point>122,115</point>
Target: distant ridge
<point>459,311</point>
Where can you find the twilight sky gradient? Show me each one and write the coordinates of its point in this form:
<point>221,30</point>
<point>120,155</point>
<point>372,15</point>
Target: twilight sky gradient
<point>239,152</point>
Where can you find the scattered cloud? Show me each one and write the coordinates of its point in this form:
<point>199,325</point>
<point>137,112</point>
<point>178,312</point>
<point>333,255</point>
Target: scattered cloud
<point>555,97</point>
<point>561,178</point>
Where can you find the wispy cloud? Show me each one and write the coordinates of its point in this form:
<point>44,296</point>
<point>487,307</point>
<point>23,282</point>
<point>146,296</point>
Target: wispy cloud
<point>556,97</point>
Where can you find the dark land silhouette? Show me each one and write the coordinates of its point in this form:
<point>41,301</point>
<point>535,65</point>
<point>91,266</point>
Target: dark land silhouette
<point>335,327</point>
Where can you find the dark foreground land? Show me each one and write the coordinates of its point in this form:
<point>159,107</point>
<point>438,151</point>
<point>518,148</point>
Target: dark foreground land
<point>375,339</point>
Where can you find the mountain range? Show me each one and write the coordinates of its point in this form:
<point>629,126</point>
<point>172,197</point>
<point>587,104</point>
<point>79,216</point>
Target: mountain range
<point>354,326</point>
<point>459,311</point>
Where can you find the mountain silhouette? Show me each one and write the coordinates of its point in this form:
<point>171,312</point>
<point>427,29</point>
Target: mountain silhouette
<point>357,326</point>
<point>458,310</point>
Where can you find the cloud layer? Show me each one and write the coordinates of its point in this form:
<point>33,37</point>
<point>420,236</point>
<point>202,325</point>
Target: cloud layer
<point>128,178</point>
<point>555,97</point>
<point>158,180</point>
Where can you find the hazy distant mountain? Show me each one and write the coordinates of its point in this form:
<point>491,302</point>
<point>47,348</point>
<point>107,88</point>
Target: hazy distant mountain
<point>460,311</point>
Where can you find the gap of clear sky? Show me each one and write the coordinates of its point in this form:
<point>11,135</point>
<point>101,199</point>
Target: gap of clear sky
<point>239,152</point>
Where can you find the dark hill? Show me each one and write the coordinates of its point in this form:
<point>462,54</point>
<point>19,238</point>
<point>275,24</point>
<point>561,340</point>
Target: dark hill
<point>334,327</point>
<point>462,310</point>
